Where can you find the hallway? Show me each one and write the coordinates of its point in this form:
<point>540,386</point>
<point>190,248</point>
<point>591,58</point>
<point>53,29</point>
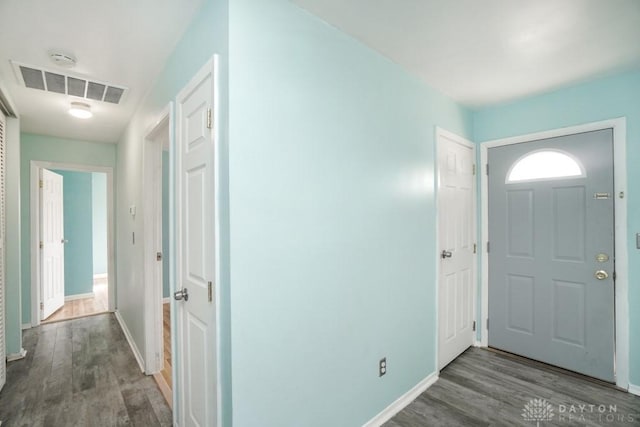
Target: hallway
<point>78,373</point>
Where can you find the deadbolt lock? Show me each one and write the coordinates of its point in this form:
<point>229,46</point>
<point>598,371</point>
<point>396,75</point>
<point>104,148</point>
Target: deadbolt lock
<point>601,274</point>
<point>602,257</point>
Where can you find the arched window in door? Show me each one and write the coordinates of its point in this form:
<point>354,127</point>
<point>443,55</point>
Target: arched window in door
<point>543,165</point>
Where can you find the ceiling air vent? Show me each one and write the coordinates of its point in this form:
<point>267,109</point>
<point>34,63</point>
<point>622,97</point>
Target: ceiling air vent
<point>65,84</point>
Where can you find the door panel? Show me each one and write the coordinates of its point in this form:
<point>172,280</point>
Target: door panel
<point>520,217</point>
<point>52,232</point>
<point>456,217</point>
<point>197,262</point>
<point>545,302</point>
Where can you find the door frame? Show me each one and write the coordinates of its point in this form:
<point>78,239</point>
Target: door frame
<point>211,66</point>
<point>619,127</point>
<point>152,238</point>
<point>443,133</point>
<point>34,194</point>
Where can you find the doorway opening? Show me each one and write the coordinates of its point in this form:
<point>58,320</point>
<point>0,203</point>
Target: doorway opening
<point>157,252</point>
<point>84,225</point>
<point>567,248</point>
<point>72,270</point>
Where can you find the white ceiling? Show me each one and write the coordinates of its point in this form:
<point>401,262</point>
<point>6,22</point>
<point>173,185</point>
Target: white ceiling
<point>122,42</point>
<point>482,52</point>
<point>478,52</point>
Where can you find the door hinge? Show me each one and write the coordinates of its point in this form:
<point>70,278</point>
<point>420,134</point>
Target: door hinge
<point>614,275</point>
<point>474,325</point>
<point>473,169</point>
<point>41,245</point>
<point>488,246</point>
<point>158,256</point>
<point>210,291</point>
<point>475,248</point>
<point>41,306</point>
<point>487,323</point>
<point>487,169</point>
<point>41,184</point>
<point>209,124</point>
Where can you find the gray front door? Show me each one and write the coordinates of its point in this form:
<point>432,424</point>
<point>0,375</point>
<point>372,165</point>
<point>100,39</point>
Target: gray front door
<point>551,260</point>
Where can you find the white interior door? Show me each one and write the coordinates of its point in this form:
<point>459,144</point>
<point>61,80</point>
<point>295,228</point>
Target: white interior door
<point>196,308</point>
<point>456,227</point>
<point>52,242</point>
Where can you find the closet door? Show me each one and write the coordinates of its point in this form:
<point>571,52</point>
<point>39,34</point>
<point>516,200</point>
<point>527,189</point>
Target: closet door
<point>3,358</point>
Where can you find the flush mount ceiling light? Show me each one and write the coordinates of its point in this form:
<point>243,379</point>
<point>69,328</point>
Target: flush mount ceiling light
<point>80,110</point>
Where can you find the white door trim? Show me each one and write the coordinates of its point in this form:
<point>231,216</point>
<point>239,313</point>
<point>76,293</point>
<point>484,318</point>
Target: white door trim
<point>152,238</point>
<point>210,67</point>
<point>442,133</point>
<point>619,126</point>
<point>34,194</point>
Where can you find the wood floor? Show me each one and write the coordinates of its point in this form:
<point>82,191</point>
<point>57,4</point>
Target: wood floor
<point>484,388</point>
<point>80,373</point>
<point>74,309</point>
<point>166,333</point>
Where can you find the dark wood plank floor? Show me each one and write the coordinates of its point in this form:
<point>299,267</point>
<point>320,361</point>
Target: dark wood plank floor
<point>80,373</point>
<point>484,388</point>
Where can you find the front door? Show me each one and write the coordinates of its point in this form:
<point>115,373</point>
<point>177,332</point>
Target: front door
<point>52,242</point>
<point>197,257</point>
<point>456,236</point>
<point>551,259</point>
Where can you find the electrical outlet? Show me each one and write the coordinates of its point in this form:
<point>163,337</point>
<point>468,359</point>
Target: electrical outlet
<point>382,367</point>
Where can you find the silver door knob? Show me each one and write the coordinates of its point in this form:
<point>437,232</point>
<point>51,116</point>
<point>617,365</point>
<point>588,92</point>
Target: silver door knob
<point>182,294</point>
<point>446,254</point>
<point>601,274</point>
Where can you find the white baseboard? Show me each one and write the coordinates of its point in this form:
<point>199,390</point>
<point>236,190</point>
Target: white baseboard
<point>634,389</point>
<point>17,356</point>
<point>26,326</point>
<point>402,401</point>
<point>100,276</point>
<point>132,344</point>
<point>79,296</point>
<point>478,344</point>
<point>166,300</point>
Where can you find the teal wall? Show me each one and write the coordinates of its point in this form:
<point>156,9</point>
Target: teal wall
<point>51,149</point>
<point>606,98</point>
<point>78,231</point>
<point>99,209</point>
<point>166,249</point>
<point>332,221</point>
